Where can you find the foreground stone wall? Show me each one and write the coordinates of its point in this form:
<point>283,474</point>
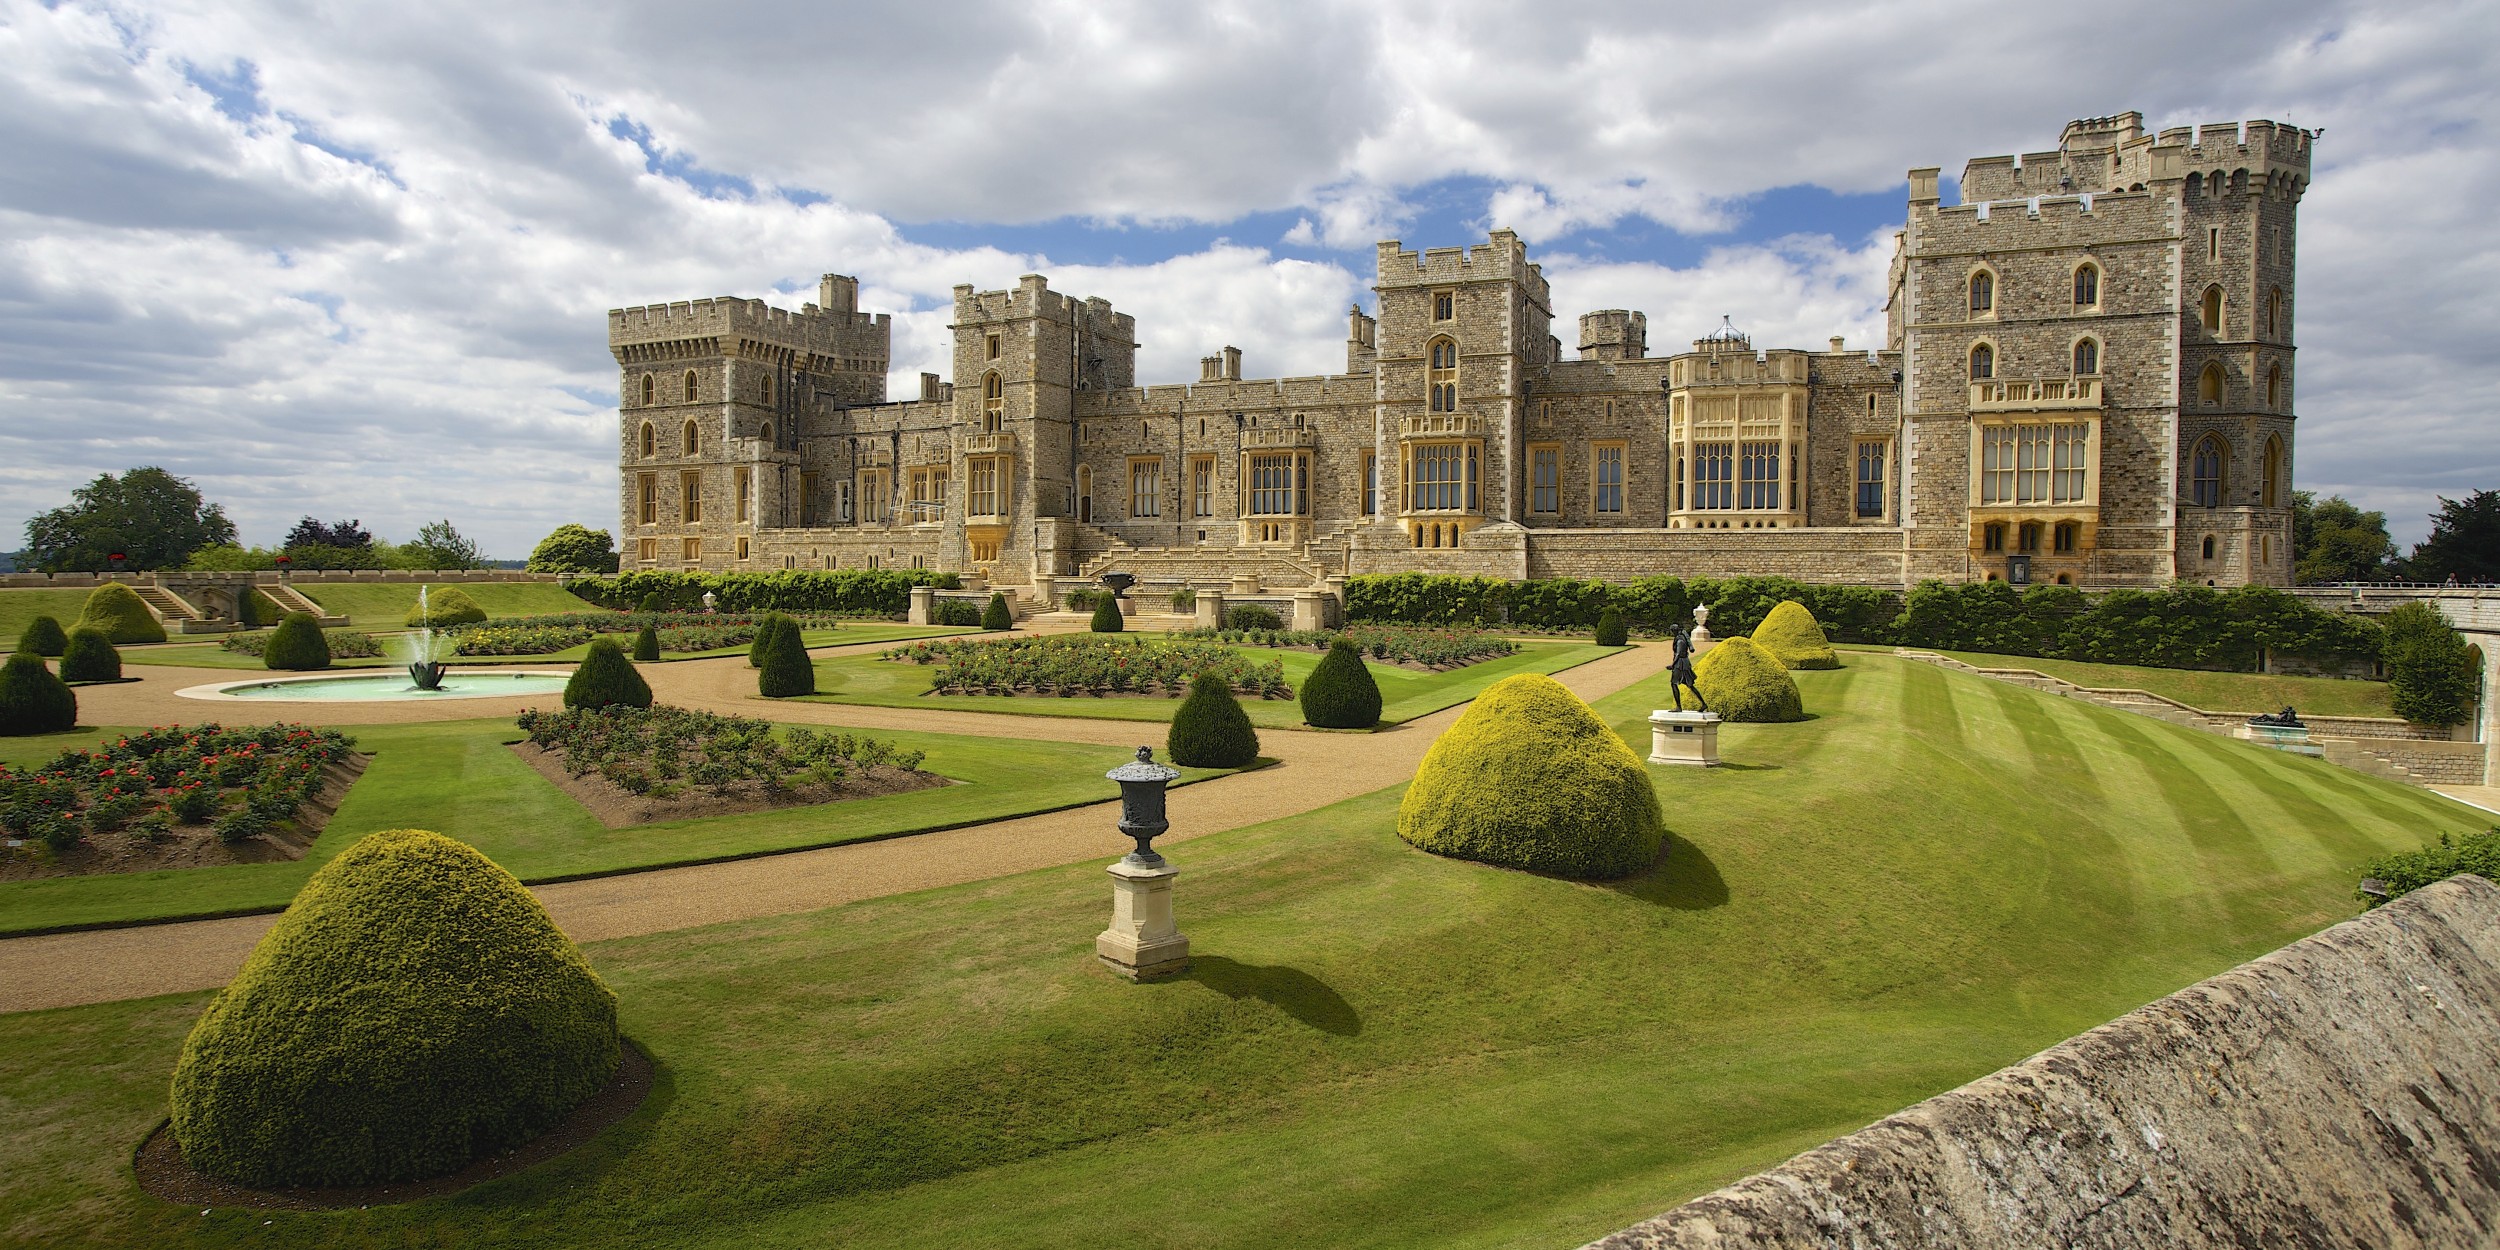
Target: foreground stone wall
<point>2342,1091</point>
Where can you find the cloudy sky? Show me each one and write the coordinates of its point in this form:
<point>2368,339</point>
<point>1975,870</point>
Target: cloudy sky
<point>352,260</point>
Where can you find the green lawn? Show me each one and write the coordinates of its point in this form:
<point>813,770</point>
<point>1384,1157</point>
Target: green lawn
<point>386,605</point>
<point>1404,693</point>
<point>210,655</point>
<point>1935,877</point>
<point>2212,692</point>
<point>19,608</point>
<point>457,778</point>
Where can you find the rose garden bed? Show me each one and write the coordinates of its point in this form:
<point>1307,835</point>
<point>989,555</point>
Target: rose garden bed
<point>1423,649</point>
<point>633,766</point>
<point>175,796</point>
<point>1098,665</point>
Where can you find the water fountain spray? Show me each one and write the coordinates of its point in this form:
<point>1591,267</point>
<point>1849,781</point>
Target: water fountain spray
<point>425,665</point>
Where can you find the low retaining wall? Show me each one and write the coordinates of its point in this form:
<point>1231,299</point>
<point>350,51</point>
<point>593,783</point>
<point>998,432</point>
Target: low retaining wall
<point>70,581</point>
<point>2342,1091</point>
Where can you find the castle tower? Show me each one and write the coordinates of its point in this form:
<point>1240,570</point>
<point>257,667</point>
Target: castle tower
<point>1021,357</point>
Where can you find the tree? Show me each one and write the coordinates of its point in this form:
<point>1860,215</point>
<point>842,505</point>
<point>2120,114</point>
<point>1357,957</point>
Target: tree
<point>2335,541</point>
<point>439,546</point>
<point>2430,672</point>
<point>152,518</point>
<point>2464,542</point>
<point>311,533</point>
<point>574,549</point>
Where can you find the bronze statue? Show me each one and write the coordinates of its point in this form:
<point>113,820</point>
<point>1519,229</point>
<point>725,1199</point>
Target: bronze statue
<point>1682,672</point>
<point>2285,719</point>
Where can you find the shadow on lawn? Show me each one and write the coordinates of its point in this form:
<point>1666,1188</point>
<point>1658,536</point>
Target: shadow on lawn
<point>1296,993</point>
<point>1683,879</point>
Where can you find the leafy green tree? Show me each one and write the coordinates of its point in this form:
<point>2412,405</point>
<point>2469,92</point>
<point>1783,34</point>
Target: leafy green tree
<point>2335,541</point>
<point>443,547</point>
<point>2464,542</point>
<point>574,549</point>
<point>232,558</point>
<point>152,518</point>
<point>2430,671</point>
<point>315,544</point>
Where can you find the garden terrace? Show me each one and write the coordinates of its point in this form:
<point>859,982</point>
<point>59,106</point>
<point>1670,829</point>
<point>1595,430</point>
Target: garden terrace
<point>174,795</point>
<point>666,762</point>
<point>1088,664</point>
<point>1938,876</point>
<point>1437,650</point>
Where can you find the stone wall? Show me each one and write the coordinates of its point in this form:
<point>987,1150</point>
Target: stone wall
<point>72,581</point>
<point>1858,557</point>
<point>2342,1091</point>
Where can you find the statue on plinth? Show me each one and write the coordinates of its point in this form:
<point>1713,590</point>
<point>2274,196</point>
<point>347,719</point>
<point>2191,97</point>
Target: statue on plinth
<point>1680,673</point>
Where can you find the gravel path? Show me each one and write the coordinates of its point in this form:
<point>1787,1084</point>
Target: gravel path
<point>1313,770</point>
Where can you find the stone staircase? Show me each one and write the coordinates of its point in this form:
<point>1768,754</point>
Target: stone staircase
<point>176,613</point>
<point>289,599</point>
<point>1208,565</point>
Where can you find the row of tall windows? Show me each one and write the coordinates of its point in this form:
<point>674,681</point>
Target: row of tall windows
<point>1758,477</point>
<point>1441,376</point>
<point>2033,464</point>
<point>1442,477</point>
<point>2065,537</point>
<point>1145,487</point>
<point>2206,473</point>
<point>651,387</point>
<point>2085,360</point>
<point>2086,291</point>
<point>1280,485</point>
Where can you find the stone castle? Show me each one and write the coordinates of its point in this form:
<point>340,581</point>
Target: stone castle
<point>2086,379</point>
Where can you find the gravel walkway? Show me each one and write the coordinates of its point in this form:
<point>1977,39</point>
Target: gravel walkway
<point>1313,770</point>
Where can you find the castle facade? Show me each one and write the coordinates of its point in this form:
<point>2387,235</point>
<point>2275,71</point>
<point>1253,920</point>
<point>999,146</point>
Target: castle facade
<point>2087,378</point>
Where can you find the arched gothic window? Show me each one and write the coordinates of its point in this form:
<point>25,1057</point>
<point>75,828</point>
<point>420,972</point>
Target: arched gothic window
<point>2087,357</point>
<point>694,440</point>
<point>2209,546</point>
<point>768,388</point>
<point>2211,311</point>
<point>1983,292</point>
<point>1983,363</point>
<point>690,385</point>
<point>2274,386</point>
<point>2088,286</point>
<point>1441,375</point>
<point>2209,387</point>
<point>2274,312</point>
<point>650,439</point>
<point>993,404</point>
<point>768,434</point>
<point>2205,473</point>
<point>648,386</point>
<point>2270,487</point>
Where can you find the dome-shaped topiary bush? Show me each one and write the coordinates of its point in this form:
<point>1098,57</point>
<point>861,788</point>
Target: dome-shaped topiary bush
<point>1210,730</point>
<point>121,614</point>
<point>1107,619</point>
<point>762,644</point>
<point>1246,617</point>
<point>1530,778</point>
<point>1744,682</point>
<point>1340,693</point>
<point>43,636</point>
<point>32,700</point>
<point>647,643</point>
<point>1794,638</point>
<point>413,1010</point>
<point>297,645</point>
<point>606,679</point>
<point>787,671</point>
<point>1611,631</point>
<point>445,607</point>
<point>90,657</point>
<point>997,615</point>
<point>649,603</point>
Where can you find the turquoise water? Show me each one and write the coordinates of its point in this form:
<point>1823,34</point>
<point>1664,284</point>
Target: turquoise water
<point>395,686</point>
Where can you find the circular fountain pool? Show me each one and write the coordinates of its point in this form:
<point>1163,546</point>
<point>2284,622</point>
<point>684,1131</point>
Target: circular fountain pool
<point>387,686</point>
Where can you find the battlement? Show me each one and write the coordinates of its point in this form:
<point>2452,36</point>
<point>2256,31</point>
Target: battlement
<point>1502,256</point>
<point>813,329</point>
<point>1032,297</point>
<point>1614,334</point>
<point>1228,396</point>
<point>2042,220</point>
<point>2114,152</point>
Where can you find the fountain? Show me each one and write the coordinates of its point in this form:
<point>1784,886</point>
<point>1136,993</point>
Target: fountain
<point>421,651</point>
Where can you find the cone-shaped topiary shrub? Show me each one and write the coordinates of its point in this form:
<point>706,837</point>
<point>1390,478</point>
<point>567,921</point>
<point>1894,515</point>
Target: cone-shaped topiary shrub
<point>445,606</point>
<point>1794,638</point>
<point>1340,693</point>
<point>1530,778</point>
<point>297,645</point>
<point>647,643</point>
<point>997,616</point>
<point>43,636</point>
<point>1744,682</point>
<point>32,700</point>
<point>90,657</point>
<point>787,671</point>
<point>1610,628</point>
<point>762,644</point>
<point>121,614</point>
<point>606,679</point>
<point>650,603</point>
<point>248,611</point>
<point>1210,730</point>
<point>414,1009</point>
<point>1107,618</point>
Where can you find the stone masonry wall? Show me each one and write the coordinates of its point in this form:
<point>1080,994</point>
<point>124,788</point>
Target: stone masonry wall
<point>2342,1091</point>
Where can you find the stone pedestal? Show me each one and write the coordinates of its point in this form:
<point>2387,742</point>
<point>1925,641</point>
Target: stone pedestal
<point>1684,738</point>
<point>1246,584</point>
<point>1210,609</point>
<point>1143,942</point>
<point>1702,641</point>
<point>1310,609</point>
<point>923,605</point>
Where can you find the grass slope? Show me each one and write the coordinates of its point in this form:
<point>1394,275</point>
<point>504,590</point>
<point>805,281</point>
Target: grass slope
<point>210,655</point>
<point>2212,692</point>
<point>457,778</point>
<point>1404,693</point>
<point>386,605</point>
<point>19,608</point>
<point>1937,876</point>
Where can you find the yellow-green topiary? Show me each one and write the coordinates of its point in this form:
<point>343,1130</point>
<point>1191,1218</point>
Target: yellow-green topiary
<point>1794,638</point>
<point>444,607</point>
<point>1743,682</point>
<point>118,611</point>
<point>413,1010</point>
<point>1530,778</point>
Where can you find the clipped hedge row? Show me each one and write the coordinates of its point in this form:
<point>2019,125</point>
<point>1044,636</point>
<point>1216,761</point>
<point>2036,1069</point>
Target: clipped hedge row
<point>2187,626</point>
<point>885,592</point>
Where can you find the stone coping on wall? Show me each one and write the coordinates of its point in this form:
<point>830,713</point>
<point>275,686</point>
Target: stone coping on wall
<point>2342,1091</point>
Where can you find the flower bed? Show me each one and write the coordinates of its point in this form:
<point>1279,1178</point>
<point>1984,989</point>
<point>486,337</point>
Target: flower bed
<point>345,644</point>
<point>1089,664</point>
<point>1434,649</point>
<point>674,761</point>
<point>680,632</point>
<point>173,781</point>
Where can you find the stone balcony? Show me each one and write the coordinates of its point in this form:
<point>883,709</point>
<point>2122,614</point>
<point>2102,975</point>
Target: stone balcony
<point>1256,440</point>
<point>2035,394</point>
<point>1440,425</point>
<point>999,443</point>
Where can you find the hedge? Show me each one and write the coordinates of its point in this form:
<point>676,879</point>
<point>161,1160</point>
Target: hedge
<point>647,644</point>
<point>1793,638</point>
<point>884,592</point>
<point>2406,871</point>
<point>297,645</point>
<point>90,657</point>
<point>2431,674</point>
<point>786,672</point>
<point>997,616</point>
<point>445,606</point>
<point>43,636</point>
<point>1209,729</point>
<point>1611,631</point>
<point>1341,693</point>
<point>959,613</point>
<point>121,614</point>
<point>1245,617</point>
<point>1743,682</point>
<point>32,700</point>
<point>1107,618</point>
<point>1530,778</point>
<point>606,679</point>
<point>414,1009</point>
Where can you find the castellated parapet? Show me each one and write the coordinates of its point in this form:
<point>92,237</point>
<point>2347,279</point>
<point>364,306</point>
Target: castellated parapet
<point>2086,377</point>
